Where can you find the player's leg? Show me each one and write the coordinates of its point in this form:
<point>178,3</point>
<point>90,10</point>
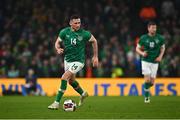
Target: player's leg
<point>76,85</point>
<point>146,72</point>
<point>74,68</point>
<point>153,71</point>
<point>154,68</point>
<point>152,79</point>
<point>65,77</point>
<point>146,88</point>
<point>78,89</point>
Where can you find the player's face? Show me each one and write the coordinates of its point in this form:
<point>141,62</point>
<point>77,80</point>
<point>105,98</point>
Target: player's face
<point>75,24</point>
<point>152,29</point>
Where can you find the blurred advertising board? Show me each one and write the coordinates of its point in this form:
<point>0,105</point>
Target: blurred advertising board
<point>98,86</point>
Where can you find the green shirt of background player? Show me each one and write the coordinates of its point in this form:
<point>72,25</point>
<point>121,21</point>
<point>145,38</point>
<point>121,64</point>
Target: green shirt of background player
<point>74,39</point>
<point>151,47</point>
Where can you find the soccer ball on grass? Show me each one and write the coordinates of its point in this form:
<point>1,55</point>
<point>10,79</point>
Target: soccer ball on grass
<point>69,105</point>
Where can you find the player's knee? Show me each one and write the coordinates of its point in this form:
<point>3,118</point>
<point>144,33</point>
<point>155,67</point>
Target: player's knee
<point>147,80</point>
<point>70,81</point>
<point>152,81</point>
<point>63,78</point>
<point>66,76</point>
<point>152,84</point>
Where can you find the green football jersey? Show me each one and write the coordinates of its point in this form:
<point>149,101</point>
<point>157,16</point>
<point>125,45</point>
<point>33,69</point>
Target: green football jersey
<point>152,45</point>
<point>74,43</point>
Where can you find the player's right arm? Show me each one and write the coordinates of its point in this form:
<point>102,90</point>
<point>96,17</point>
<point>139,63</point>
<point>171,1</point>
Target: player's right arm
<point>60,38</point>
<point>58,47</point>
<point>139,50</point>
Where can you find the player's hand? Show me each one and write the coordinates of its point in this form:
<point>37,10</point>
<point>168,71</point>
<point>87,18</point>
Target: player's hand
<point>59,50</point>
<point>95,61</point>
<point>158,59</point>
<point>145,54</point>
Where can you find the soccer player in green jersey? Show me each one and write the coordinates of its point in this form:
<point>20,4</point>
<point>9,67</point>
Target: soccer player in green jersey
<point>151,47</point>
<point>74,39</point>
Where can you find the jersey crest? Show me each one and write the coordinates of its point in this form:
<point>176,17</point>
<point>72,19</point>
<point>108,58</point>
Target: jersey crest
<point>157,41</point>
<point>80,38</point>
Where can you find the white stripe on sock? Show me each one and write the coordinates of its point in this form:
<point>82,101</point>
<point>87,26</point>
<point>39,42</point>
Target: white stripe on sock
<point>61,90</point>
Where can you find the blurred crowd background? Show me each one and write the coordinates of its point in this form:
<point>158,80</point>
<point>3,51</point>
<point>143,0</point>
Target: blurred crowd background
<point>29,28</point>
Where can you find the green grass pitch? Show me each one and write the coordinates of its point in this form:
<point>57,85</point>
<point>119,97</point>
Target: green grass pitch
<point>95,107</point>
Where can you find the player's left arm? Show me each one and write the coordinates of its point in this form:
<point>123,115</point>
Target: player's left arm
<point>162,50</point>
<point>95,51</point>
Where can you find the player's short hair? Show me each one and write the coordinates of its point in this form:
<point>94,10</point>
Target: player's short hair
<point>75,16</point>
<point>151,23</point>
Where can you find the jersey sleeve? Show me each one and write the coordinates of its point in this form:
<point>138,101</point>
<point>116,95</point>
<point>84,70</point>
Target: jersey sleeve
<point>87,35</point>
<point>62,34</point>
<point>140,43</point>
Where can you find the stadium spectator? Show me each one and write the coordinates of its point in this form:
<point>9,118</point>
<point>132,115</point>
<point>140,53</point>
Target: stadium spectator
<point>167,9</point>
<point>31,82</point>
<point>13,72</point>
<point>3,69</point>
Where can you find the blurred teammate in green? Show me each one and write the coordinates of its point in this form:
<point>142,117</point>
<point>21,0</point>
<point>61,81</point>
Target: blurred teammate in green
<point>151,47</point>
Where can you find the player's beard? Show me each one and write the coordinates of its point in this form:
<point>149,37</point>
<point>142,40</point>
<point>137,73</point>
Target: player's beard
<point>75,28</point>
<point>152,33</point>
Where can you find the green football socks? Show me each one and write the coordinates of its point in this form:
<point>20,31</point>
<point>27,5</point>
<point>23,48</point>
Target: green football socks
<point>61,90</point>
<point>146,89</point>
<point>76,87</point>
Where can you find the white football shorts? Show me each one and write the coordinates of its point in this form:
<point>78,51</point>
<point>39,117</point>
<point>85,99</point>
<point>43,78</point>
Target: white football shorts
<point>149,68</point>
<point>73,67</point>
